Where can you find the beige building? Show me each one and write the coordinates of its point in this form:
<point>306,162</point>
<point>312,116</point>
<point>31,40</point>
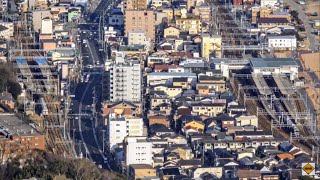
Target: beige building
<point>138,38</point>
<point>210,110</point>
<point>37,17</point>
<point>140,171</point>
<point>192,25</point>
<point>171,32</point>
<point>140,20</point>
<point>247,120</point>
<point>211,45</point>
<point>135,4</point>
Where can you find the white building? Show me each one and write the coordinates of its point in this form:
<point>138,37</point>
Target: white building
<point>46,26</point>
<point>3,6</point>
<point>125,82</point>
<point>282,42</point>
<point>138,38</point>
<point>269,66</point>
<point>6,29</point>
<point>156,78</point>
<point>138,150</point>
<point>109,32</point>
<point>121,127</point>
<point>270,3</point>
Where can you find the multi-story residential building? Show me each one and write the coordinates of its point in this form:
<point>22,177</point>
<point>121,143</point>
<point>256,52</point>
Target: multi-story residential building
<point>204,11</point>
<point>156,78</point>
<point>138,38</point>
<point>37,17</point>
<point>211,46</point>
<point>192,25</point>
<point>208,109</point>
<point>125,82</point>
<point>135,4</point>
<point>6,29</point>
<point>282,42</point>
<point>140,20</point>
<point>46,26</point>
<point>138,150</point>
<point>120,127</point>
<point>116,19</point>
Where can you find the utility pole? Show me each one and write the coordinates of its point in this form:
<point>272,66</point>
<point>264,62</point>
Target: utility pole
<point>103,131</point>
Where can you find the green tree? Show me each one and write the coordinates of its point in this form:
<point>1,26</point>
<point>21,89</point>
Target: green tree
<point>14,88</point>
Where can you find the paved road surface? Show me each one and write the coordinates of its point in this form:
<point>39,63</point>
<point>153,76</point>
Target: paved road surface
<point>314,45</point>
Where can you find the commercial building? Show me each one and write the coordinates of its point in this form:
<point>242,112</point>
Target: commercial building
<point>120,127</point>
<point>138,150</point>
<point>210,46</point>
<point>282,42</point>
<point>143,20</point>
<point>125,82</point>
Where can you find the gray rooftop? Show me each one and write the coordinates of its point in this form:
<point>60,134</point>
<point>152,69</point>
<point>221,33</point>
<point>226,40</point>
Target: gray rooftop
<point>12,125</point>
<point>272,62</point>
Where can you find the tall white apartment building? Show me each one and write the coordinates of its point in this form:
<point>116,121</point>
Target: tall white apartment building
<point>138,150</point>
<point>121,127</point>
<point>125,82</point>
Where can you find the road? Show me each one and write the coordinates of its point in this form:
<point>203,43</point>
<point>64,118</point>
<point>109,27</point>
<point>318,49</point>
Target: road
<point>314,45</point>
<point>86,123</point>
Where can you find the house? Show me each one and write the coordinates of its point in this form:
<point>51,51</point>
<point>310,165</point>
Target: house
<point>159,119</point>
<point>181,82</point>
<point>160,129</point>
<point>192,25</point>
<point>189,164</point>
<point>212,83</point>
<point>244,174</point>
<point>121,108</point>
<point>7,100</point>
<point>169,173</point>
<point>207,109</point>
<point>196,125</point>
<point>171,32</point>
<point>140,171</point>
<point>202,171</point>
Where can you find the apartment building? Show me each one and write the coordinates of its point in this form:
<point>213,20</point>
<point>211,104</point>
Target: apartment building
<point>46,26</point>
<point>138,38</point>
<point>211,46</point>
<point>37,17</point>
<point>135,4</point>
<point>192,25</point>
<point>120,127</point>
<point>6,29</point>
<point>140,20</point>
<point>125,82</point>
<point>138,150</point>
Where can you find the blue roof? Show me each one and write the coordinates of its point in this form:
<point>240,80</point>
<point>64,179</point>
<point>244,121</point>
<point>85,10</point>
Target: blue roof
<point>41,61</point>
<point>21,61</point>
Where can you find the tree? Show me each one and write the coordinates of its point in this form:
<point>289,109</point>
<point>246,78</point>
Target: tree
<point>14,88</point>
